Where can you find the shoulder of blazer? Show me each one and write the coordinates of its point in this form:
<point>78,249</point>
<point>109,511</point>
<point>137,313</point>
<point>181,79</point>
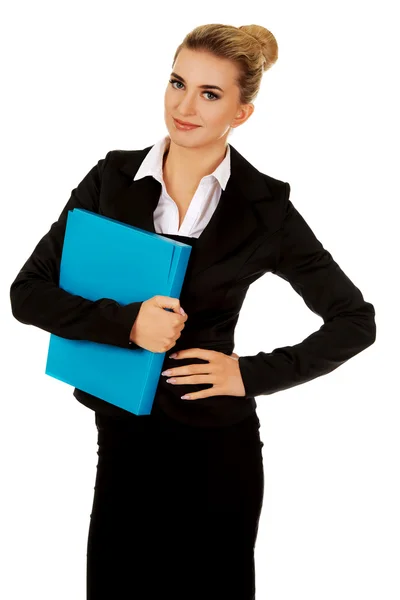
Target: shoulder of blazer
<point>127,161</point>
<point>272,208</point>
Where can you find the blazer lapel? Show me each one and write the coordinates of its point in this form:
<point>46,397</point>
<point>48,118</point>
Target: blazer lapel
<point>235,222</point>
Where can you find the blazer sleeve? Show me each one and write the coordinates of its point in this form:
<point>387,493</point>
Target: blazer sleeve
<point>349,321</point>
<point>37,299</point>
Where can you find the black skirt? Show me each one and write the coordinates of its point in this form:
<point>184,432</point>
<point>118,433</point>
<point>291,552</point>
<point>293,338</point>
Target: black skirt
<point>175,511</point>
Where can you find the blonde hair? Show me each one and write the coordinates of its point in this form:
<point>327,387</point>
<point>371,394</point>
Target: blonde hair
<point>252,48</point>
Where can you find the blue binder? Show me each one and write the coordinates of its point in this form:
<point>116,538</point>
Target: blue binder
<point>105,258</point>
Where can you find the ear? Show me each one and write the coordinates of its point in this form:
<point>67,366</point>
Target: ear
<point>245,111</point>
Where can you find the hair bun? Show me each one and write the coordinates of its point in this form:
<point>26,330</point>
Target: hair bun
<point>266,40</point>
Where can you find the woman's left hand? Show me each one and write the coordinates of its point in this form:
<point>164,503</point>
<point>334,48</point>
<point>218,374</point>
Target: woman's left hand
<point>222,371</point>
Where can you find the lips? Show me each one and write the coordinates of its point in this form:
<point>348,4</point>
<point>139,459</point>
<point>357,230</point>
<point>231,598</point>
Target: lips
<point>186,124</point>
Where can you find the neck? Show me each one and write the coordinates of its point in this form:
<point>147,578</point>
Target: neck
<point>190,165</point>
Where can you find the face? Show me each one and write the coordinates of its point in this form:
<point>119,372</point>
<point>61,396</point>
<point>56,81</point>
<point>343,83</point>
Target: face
<point>215,110</point>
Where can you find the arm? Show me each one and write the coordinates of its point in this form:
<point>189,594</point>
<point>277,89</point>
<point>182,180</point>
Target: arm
<point>349,322</point>
<point>37,299</point>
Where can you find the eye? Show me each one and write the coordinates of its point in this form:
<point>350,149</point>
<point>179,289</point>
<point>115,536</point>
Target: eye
<point>172,81</point>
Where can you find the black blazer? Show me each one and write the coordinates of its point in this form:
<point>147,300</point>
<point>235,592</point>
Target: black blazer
<point>254,230</point>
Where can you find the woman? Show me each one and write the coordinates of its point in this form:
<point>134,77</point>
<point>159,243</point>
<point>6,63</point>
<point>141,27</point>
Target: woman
<point>178,493</point>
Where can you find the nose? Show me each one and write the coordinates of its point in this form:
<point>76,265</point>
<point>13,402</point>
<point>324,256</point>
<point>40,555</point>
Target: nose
<point>187,105</point>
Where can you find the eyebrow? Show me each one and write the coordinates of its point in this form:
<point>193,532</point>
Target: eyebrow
<point>203,87</point>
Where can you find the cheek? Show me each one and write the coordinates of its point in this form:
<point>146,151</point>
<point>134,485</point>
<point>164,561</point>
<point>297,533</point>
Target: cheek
<point>167,102</point>
<point>169,99</point>
<point>217,117</point>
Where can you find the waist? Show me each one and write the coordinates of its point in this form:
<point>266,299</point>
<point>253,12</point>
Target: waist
<point>160,422</point>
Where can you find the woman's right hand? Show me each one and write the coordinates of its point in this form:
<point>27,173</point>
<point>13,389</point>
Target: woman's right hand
<point>155,328</point>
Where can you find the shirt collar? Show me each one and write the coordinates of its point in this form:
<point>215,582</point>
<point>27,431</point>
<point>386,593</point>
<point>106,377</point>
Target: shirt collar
<point>153,161</point>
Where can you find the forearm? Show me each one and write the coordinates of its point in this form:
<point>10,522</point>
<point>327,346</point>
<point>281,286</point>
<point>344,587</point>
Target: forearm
<point>45,305</point>
<point>320,353</point>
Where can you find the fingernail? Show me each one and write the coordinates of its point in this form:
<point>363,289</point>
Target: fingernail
<point>174,355</point>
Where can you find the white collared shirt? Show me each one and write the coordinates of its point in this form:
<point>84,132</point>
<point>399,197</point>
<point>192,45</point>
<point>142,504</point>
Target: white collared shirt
<point>203,203</point>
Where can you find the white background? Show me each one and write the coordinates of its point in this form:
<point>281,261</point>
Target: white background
<point>83,78</point>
